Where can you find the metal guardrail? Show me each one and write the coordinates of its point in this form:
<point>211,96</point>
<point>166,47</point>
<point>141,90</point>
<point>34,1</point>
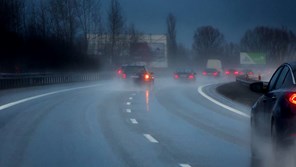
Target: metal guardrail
<point>36,79</point>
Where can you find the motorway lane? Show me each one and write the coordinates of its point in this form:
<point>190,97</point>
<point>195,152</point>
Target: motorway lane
<point>111,124</point>
<point>58,130</point>
<point>213,136</point>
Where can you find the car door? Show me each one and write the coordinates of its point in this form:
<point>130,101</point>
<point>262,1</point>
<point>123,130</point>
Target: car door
<point>274,93</point>
<point>270,97</point>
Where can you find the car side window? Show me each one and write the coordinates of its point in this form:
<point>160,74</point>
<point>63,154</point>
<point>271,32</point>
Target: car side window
<point>274,79</point>
<point>281,78</point>
<point>288,82</point>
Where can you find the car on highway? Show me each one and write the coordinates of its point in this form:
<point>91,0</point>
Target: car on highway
<point>185,75</point>
<point>119,72</point>
<point>247,72</point>
<point>231,72</point>
<point>137,74</point>
<point>212,72</point>
<point>273,116</point>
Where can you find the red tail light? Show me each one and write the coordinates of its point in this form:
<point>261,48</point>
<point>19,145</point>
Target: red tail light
<point>236,72</point>
<point>176,76</point>
<point>292,98</point>
<point>119,71</point>
<point>147,76</point>
<point>204,73</point>
<point>227,72</point>
<point>250,73</point>
<point>123,76</point>
<point>191,76</point>
<point>215,73</point>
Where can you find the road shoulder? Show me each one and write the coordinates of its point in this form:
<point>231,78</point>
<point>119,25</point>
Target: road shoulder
<point>238,93</point>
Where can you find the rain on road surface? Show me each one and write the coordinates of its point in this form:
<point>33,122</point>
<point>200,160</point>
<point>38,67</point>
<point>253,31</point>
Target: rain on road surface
<point>108,123</point>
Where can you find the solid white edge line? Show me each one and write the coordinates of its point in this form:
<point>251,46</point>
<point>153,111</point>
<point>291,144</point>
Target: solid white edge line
<point>128,110</point>
<point>8,105</point>
<point>184,165</point>
<point>200,90</point>
<point>134,121</point>
<point>150,138</point>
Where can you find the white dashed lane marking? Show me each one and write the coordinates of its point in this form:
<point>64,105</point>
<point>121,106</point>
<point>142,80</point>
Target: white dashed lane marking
<point>150,138</point>
<point>147,136</point>
<point>134,121</point>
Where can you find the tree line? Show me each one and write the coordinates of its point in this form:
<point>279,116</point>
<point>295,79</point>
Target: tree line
<point>278,44</point>
<point>53,35</point>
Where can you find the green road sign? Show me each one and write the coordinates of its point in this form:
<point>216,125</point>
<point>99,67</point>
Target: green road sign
<point>252,58</point>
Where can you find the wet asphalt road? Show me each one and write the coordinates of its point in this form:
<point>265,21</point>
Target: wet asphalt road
<point>108,123</point>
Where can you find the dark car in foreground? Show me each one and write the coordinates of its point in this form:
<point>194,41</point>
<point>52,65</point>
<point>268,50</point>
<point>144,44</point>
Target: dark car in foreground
<point>136,73</point>
<point>211,72</point>
<point>185,75</point>
<point>273,116</point>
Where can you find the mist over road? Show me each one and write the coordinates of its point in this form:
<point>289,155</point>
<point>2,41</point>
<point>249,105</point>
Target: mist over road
<point>109,123</point>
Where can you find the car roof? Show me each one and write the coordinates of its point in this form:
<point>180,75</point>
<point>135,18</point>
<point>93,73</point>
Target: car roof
<point>292,65</point>
<point>246,69</point>
<point>184,70</point>
<point>132,65</point>
<point>212,69</point>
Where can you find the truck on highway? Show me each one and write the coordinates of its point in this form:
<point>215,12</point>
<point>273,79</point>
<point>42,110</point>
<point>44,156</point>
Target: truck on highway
<point>214,63</point>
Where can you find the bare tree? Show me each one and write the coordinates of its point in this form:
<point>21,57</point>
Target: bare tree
<point>63,19</point>
<point>115,27</point>
<point>183,56</point>
<point>43,19</point>
<point>134,38</point>
<point>231,54</point>
<point>41,35</point>
<point>171,39</point>
<point>89,17</point>
<point>11,12</point>
<point>208,43</point>
<point>31,29</point>
<point>134,34</point>
<point>11,32</point>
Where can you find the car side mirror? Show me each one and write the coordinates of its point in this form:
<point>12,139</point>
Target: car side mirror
<point>259,87</point>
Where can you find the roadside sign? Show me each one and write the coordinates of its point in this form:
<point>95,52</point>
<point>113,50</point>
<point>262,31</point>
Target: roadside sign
<point>252,58</point>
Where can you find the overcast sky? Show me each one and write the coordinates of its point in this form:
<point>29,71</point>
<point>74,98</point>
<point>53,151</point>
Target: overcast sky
<point>231,17</point>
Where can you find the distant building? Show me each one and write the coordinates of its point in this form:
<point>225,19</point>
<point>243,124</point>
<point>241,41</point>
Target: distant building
<point>148,49</point>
